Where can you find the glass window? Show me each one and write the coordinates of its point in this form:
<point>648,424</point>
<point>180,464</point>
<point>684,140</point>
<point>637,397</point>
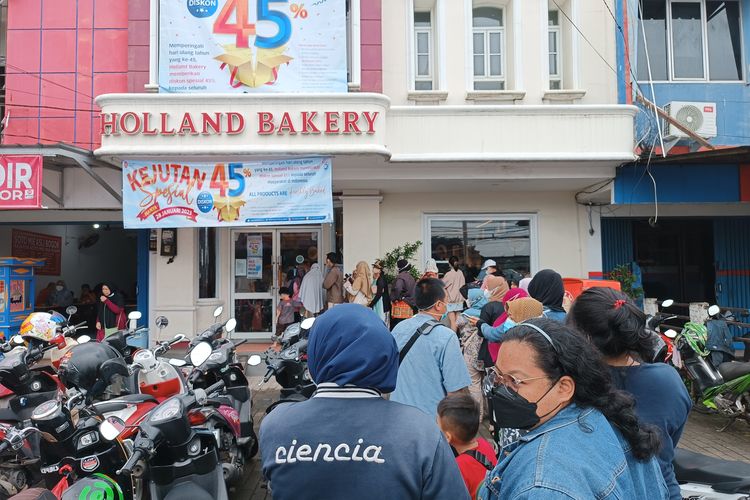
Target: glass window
<point>423,52</point>
<point>724,41</point>
<point>687,40</point>
<point>488,41</point>
<point>207,262</point>
<point>473,239</point>
<point>553,42</point>
<point>683,23</point>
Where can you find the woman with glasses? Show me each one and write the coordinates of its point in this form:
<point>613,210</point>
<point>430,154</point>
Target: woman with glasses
<point>584,439</point>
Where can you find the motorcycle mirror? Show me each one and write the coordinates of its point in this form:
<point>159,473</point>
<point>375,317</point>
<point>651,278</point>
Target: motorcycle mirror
<point>71,310</point>
<point>161,322</point>
<point>135,315</point>
<point>83,339</point>
<point>714,310</point>
<point>254,360</point>
<point>200,353</point>
<point>218,311</point>
<point>670,333</point>
<point>177,362</point>
<point>111,428</point>
<point>307,323</point>
<point>16,340</point>
<point>667,303</point>
<point>231,324</point>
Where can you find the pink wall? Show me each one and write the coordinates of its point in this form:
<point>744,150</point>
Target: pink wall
<point>372,45</point>
<point>63,53</point>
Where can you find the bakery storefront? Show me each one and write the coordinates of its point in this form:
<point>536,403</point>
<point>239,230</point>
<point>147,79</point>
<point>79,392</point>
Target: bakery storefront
<point>242,191</point>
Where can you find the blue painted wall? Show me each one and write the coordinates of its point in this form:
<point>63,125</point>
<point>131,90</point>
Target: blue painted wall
<point>678,184</point>
<point>732,99</point>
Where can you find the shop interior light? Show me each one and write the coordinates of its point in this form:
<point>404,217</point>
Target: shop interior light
<point>96,226</point>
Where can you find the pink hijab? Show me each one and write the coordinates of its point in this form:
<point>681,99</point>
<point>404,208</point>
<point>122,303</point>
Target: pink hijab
<point>511,295</point>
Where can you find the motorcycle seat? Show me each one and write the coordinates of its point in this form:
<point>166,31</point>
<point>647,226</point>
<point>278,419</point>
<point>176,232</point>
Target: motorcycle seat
<point>121,402</point>
<point>733,369</point>
<point>722,475</point>
<point>35,494</point>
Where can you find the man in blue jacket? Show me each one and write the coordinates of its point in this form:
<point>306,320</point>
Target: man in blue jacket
<point>347,441</point>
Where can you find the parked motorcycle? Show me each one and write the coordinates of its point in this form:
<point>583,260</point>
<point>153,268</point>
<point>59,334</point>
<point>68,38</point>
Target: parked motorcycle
<point>707,478</point>
<point>662,343</point>
<point>288,364</point>
<point>231,421</point>
<point>174,459</point>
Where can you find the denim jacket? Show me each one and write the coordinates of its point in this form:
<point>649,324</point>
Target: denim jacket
<point>576,454</point>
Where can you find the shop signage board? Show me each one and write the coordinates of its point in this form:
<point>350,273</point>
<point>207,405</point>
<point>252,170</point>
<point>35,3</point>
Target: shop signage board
<point>223,194</point>
<point>252,46</point>
<point>38,245</point>
<point>20,181</point>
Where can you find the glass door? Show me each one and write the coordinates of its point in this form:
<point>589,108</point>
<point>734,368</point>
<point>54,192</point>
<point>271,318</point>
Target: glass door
<point>264,261</point>
<point>255,284</point>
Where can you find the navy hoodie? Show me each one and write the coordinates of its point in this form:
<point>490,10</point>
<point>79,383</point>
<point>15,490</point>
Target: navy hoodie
<point>347,441</point>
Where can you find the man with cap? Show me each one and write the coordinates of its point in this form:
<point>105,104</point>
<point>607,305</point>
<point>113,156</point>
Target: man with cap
<point>489,267</point>
<point>347,441</point>
<point>403,287</point>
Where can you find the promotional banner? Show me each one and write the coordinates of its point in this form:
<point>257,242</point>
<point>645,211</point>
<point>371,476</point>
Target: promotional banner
<point>252,46</point>
<point>259,193</point>
<point>38,245</point>
<point>20,182</point>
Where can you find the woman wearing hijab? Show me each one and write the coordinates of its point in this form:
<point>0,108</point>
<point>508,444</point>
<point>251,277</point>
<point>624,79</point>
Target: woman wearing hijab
<point>381,300</point>
<point>547,287</point>
<point>111,316</point>
<point>430,269</point>
<point>524,284</point>
<point>494,347</point>
<point>341,443</point>
<point>359,286</point>
<point>495,287</point>
<point>311,292</point>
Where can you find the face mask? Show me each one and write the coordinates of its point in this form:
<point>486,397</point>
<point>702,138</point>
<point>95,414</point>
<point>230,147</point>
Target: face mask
<point>59,288</point>
<point>514,411</point>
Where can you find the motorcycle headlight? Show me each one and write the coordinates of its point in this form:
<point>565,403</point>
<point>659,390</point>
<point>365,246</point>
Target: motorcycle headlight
<point>87,440</point>
<point>167,410</point>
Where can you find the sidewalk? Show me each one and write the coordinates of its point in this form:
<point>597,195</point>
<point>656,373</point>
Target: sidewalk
<point>700,435</point>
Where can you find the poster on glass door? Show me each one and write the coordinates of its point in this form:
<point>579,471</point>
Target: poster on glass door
<point>225,194</point>
<point>252,46</point>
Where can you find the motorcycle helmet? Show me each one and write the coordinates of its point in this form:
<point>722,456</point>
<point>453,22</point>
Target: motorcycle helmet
<point>41,326</point>
<point>91,367</point>
<point>696,335</point>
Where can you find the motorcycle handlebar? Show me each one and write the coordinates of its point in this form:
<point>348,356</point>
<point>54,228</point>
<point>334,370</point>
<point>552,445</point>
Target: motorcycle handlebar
<point>215,388</point>
<point>4,446</point>
<point>128,467</point>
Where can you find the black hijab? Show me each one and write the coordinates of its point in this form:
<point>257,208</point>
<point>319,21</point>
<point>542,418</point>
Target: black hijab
<point>547,287</point>
<point>491,311</point>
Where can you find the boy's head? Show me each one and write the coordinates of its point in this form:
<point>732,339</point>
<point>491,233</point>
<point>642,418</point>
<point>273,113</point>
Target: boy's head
<point>458,418</point>
<point>285,293</point>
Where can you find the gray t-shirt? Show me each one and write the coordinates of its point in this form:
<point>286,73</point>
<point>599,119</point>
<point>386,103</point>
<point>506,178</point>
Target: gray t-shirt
<point>286,314</point>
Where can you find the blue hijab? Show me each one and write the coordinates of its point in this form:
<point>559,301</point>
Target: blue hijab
<point>477,301</point>
<point>350,345</point>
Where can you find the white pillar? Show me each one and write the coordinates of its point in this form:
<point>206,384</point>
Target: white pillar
<point>589,219</point>
<point>361,228</point>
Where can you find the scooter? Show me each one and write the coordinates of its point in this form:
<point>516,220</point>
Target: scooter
<point>156,375</point>
<point>231,421</point>
<point>663,346</point>
<point>707,478</point>
<point>288,364</point>
<point>172,459</point>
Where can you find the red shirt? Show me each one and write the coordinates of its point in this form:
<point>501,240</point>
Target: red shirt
<point>472,471</point>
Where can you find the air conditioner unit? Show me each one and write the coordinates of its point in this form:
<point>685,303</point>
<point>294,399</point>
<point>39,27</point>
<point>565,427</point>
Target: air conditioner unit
<point>699,117</point>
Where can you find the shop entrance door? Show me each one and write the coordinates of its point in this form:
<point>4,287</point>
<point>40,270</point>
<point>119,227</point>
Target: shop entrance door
<point>264,261</point>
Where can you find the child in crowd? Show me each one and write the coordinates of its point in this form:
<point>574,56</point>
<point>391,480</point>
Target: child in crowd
<point>458,418</point>
<point>284,311</point>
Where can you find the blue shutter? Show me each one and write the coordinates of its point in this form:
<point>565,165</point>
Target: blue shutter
<point>617,243</point>
<point>732,257</point>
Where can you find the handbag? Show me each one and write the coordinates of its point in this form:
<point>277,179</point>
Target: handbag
<point>401,310</point>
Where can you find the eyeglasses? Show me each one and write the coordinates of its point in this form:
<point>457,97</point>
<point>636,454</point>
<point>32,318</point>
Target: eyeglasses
<point>509,380</point>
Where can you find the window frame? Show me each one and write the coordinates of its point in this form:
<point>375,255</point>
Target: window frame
<point>217,265</point>
<point>557,31</point>
<point>486,32</point>
<point>428,218</point>
<point>430,31</point>
<point>704,33</point>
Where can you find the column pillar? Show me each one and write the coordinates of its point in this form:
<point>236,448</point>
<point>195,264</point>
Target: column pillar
<point>361,228</point>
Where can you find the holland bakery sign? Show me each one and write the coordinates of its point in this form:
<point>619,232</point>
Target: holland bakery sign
<point>262,123</point>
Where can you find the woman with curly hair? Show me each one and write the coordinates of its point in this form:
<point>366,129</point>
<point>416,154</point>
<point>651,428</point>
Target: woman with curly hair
<point>617,327</point>
<point>584,438</point>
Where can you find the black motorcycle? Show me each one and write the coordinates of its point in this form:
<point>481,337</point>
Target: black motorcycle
<point>173,459</point>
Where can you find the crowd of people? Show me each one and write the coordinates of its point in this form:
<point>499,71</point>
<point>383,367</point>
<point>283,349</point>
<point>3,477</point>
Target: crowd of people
<point>568,395</point>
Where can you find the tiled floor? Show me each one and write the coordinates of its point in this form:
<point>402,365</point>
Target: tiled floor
<point>700,435</point>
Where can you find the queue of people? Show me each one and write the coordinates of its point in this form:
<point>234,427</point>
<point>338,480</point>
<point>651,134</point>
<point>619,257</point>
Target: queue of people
<point>396,415</point>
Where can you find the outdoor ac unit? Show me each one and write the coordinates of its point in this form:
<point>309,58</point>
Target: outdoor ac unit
<point>699,117</point>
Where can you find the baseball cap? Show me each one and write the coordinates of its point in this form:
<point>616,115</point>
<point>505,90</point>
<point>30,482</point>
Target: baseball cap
<point>489,263</point>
